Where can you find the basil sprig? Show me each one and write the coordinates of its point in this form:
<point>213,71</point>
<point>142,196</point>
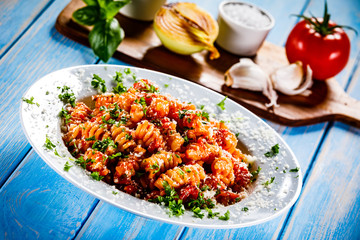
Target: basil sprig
<point>107,34</point>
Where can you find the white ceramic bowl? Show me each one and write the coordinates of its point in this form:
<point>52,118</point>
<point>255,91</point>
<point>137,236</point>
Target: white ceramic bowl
<point>243,27</point>
<point>264,203</point>
<point>142,9</point>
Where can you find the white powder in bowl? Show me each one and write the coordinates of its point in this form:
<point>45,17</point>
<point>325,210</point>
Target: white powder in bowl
<point>247,15</point>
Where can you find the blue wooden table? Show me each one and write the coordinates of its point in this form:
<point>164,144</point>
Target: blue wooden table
<point>35,202</point>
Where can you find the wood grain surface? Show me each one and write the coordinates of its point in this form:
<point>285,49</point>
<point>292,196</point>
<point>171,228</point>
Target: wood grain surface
<point>36,203</point>
<point>325,100</point>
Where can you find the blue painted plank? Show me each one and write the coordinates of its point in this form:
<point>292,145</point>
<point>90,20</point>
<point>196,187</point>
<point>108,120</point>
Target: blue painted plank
<point>120,224</point>
<point>16,16</point>
<point>37,203</point>
<point>40,51</point>
<point>331,197</point>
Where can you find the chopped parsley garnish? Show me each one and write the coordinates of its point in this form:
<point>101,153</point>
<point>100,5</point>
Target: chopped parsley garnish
<point>176,208</point>
<point>65,115</point>
<point>67,96</point>
<point>114,113</point>
<point>166,85</point>
<point>222,103</point>
<point>268,182</point>
<point>127,71</point>
<point>256,172</point>
<point>201,202</point>
<point>119,154</point>
<point>123,119</point>
<point>90,138</point>
<point>118,77</point>
<point>245,209</point>
<point>197,212</point>
<point>237,134</point>
<point>171,200</point>
<point>186,139</point>
<point>273,152</point>
<point>110,121</point>
<point>48,144</point>
<point>98,82</point>
<point>205,115</point>
<point>67,166</point>
<point>102,145</point>
<point>82,162</point>
<point>294,169</point>
<point>31,101</point>
<point>226,216</point>
<point>182,113</point>
<point>56,153</point>
<point>284,171</point>
<point>211,214</point>
<point>155,167</point>
<point>96,176</point>
<point>115,193</point>
<point>202,107</point>
<point>128,136</point>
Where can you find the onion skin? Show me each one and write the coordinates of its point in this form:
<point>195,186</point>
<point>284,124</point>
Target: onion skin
<point>185,29</point>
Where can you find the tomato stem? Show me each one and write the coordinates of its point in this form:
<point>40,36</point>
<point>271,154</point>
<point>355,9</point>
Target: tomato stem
<point>322,26</point>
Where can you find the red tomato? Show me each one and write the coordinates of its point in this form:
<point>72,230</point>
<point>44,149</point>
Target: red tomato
<point>327,55</point>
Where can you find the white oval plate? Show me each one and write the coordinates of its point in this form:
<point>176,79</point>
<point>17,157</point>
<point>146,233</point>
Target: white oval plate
<point>263,203</point>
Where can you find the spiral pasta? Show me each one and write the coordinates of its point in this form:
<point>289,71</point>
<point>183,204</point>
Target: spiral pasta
<point>180,176</point>
<point>148,135</point>
<point>160,162</point>
<point>147,144</point>
<point>123,137</point>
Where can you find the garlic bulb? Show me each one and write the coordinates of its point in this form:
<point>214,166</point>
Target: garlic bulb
<point>291,79</point>
<point>249,76</point>
<point>185,29</point>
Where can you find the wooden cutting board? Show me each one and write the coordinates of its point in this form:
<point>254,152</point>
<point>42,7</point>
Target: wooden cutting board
<point>325,101</point>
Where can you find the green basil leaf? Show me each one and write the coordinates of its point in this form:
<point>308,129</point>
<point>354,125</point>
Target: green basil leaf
<point>105,38</point>
<point>104,3</point>
<point>113,8</point>
<point>87,15</point>
<point>91,2</point>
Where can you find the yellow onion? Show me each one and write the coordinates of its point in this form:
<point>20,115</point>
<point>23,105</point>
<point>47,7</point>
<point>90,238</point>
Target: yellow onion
<point>185,29</point>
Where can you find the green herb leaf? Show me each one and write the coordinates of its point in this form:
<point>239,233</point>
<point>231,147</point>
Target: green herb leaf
<point>98,82</point>
<point>67,96</point>
<point>211,214</point>
<point>115,193</point>
<point>88,15</point>
<point>91,2</point>
<point>102,145</point>
<point>65,114</point>
<point>294,169</point>
<point>226,216</point>
<point>176,208</point>
<point>273,152</point>
<point>268,182</point>
<point>222,103</point>
<point>96,176</point>
<point>31,101</point>
<point>112,8</point>
<point>105,37</point>
<point>67,166</point>
<point>90,138</point>
<point>245,209</point>
<point>197,212</point>
<point>48,144</point>
<point>256,172</point>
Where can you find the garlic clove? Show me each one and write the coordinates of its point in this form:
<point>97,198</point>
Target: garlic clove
<point>249,76</point>
<point>291,80</point>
